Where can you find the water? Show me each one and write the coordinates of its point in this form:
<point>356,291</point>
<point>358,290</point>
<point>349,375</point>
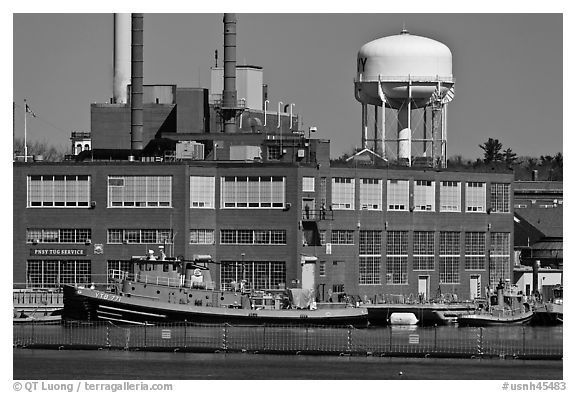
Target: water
<point>120,365</point>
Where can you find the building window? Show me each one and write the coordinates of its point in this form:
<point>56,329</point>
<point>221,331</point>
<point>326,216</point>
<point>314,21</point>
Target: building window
<point>370,242</point>
<point>308,184</point>
<point>369,270</point>
<point>475,250</point>
<point>371,194</point>
<point>322,269</point>
<point>397,257</point>
<point>202,192</point>
<point>424,195</point>
<point>249,236</point>
<point>53,273</point>
<point>201,236</point>
<point>450,196</point>
<point>274,152</point>
<point>322,190</point>
<point>58,191</point>
<point>449,261</point>
<point>58,235</point>
<point>342,237</point>
<point>258,275</point>
<point>423,250</point>
<point>139,191</point>
<point>322,237</point>
<point>397,194</point>
<point>139,236</point>
<point>500,198</point>
<point>475,197</point>
<point>499,257</point>
<point>115,267</point>
<point>254,192</point>
<point>343,193</point>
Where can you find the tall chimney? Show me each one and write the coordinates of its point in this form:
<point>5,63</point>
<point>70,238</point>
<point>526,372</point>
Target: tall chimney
<point>121,58</point>
<point>137,112</point>
<point>229,101</point>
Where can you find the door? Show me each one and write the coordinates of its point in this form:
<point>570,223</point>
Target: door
<point>308,208</point>
<point>423,287</point>
<point>475,286</point>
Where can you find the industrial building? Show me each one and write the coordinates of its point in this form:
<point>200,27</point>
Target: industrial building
<point>216,172</point>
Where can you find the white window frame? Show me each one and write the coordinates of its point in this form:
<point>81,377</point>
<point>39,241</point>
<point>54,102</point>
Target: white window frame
<point>371,194</point>
<point>139,192</point>
<point>202,191</point>
<point>424,196</point>
<point>448,255</point>
<point>241,192</point>
<point>475,197</point>
<point>473,243</point>
<point>397,258</point>
<point>343,193</point>
<point>398,195</point>
<point>500,198</point>
<point>308,183</point>
<point>450,196</point>
<point>425,250</point>
<point>47,191</point>
<point>202,236</point>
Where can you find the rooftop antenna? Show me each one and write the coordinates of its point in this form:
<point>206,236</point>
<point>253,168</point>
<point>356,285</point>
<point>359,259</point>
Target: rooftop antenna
<point>404,30</point>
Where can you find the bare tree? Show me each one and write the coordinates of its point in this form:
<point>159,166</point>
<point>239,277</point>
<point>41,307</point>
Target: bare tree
<point>49,152</point>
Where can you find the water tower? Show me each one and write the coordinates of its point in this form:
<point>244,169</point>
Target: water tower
<point>410,77</point>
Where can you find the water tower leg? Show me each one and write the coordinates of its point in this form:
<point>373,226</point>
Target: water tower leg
<point>382,145</point>
<point>376,144</point>
<point>364,126</point>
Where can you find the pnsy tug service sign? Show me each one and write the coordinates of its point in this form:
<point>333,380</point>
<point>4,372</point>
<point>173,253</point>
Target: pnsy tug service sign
<point>56,252</point>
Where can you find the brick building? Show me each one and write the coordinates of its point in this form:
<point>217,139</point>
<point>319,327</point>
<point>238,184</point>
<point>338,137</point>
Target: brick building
<point>375,230</point>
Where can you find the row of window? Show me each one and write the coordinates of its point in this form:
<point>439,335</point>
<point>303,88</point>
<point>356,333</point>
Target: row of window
<point>53,273</point>
<point>396,270</point>
<point>424,252</point>
<point>260,274</point>
<point>255,192</point>
<point>424,196</point>
<point>69,235</point>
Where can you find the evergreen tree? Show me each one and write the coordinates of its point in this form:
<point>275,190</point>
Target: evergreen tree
<point>492,151</point>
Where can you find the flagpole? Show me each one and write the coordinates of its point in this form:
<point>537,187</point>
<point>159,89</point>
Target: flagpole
<point>25,145</point>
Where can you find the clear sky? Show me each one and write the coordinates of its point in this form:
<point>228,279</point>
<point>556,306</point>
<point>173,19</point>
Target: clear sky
<point>508,69</point>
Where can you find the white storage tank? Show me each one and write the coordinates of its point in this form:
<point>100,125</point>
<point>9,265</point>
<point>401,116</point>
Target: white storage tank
<point>397,59</point>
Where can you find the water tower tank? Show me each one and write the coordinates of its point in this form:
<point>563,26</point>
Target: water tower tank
<point>398,59</point>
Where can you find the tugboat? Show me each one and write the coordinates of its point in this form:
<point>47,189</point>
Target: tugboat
<point>163,290</point>
<point>506,307</point>
<point>551,312</point>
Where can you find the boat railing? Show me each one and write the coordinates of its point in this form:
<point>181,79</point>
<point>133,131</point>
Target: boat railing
<point>176,282</point>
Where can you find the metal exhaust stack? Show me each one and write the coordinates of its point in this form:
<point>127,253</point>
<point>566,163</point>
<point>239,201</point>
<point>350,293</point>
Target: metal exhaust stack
<point>229,101</point>
<point>137,112</point>
<point>121,58</point>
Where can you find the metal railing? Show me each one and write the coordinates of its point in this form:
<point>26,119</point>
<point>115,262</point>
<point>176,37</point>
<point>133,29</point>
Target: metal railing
<point>159,280</point>
<point>512,342</point>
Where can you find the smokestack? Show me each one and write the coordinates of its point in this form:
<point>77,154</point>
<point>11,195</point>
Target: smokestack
<point>137,112</point>
<point>229,102</point>
<point>122,25</point>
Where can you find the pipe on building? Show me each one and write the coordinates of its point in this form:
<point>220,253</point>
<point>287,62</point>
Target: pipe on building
<point>121,80</point>
<point>229,93</point>
<point>136,107</point>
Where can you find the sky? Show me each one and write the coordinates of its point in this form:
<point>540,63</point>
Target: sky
<point>508,69</point>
